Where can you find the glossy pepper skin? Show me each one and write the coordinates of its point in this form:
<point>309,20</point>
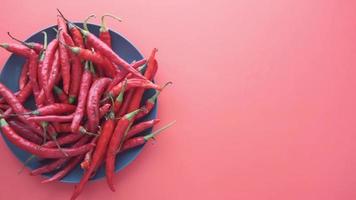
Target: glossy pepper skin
<point>99,152</point>
<point>116,141</point>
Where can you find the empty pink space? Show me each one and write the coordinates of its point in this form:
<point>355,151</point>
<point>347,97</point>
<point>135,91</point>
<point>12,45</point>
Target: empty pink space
<point>264,98</point>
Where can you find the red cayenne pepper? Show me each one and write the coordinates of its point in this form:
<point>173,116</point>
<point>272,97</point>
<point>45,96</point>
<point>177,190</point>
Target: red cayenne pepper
<point>104,34</point>
<point>82,97</point>
<point>149,74</point>
<point>38,150</point>
<point>95,92</point>
<point>116,140</point>
<point>63,54</point>
<point>99,152</point>
<point>138,128</point>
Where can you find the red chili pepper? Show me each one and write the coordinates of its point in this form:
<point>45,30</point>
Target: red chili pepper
<point>65,66</point>
<point>18,49</point>
<point>72,137</point>
<point>138,141</point>
<point>120,98</point>
<point>53,76</point>
<point>58,163</point>
<point>87,158</point>
<point>23,76</point>
<point>51,118</point>
<point>149,74</point>
<point>116,140</point>
<point>98,154</point>
<point>54,109</point>
<point>97,89</point>
<point>38,150</point>
<point>120,75</point>
<point>76,35</point>
<point>133,83</point>
<point>63,98</point>
<point>138,128</point>
<point>70,166</point>
<point>37,47</point>
<point>125,105</point>
<point>76,72</point>
<point>82,97</point>
<point>25,132</point>
<point>63,55</point>
<point>18,108</point>
<point>104,34</point>
<point>42,55</point>
<point>47,62</point>
<point>150,103</point>
<point>100,61</point>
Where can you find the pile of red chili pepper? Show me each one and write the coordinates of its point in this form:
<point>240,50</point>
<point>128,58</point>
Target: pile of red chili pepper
<point>89,102</point>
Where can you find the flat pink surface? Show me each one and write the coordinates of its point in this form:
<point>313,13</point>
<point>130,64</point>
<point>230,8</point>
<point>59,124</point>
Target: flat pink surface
<point>264,98</point>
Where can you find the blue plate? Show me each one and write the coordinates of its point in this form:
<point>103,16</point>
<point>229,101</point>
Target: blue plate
<point>11,73</point>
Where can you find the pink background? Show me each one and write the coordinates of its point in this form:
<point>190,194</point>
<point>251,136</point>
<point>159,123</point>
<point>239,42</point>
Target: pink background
<point>264,98</point>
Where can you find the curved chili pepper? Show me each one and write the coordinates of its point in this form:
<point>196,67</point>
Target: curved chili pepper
<point>70,166</point>
<point>98,154</point>
<point>65,66</point>
<point>106,51</point>
<point>76,72</point>
<point>76,35</point>
<point>72,137</point>
<point>18,49</point>
<point>138,128</point>
<point>95,92</point>
<point>49,58</point>
<point>54,109</point>
<point>25,132</point>
<point>100,61</point>
<point>51,118</point>
<point>149,74</point>
<point>138,141</point>
<point>58,163</point>
<point>63,54</point>
<point>104,34</point>
<point>116,140</point>
<point>23,76</point>
<point>133,83</point>
<point>63,98</point>
<point>37,47</point>
<point>82,97</point>
<point>18,108</point>
<point>53,76</point>
<point>36,149</point>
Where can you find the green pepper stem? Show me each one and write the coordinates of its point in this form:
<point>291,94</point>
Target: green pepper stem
<point>103,27</point>
<point>155,133</point>
<point>85,23</point>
